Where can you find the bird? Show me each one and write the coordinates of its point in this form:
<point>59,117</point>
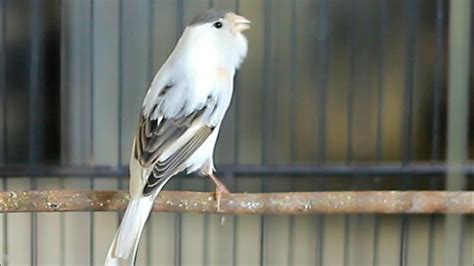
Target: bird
<point>180,118</point>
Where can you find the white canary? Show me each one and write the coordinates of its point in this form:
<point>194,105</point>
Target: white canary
<point>180,118</point>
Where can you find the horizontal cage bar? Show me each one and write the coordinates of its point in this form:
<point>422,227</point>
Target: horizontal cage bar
<point>416,169</point>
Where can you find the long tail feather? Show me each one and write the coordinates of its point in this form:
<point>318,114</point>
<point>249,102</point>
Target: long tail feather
<point>124,246</point>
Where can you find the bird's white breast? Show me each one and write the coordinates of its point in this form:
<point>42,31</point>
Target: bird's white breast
<point>210,78</point>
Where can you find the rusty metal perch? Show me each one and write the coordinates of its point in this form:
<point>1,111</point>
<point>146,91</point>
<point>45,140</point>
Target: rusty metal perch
<point>246,203</point>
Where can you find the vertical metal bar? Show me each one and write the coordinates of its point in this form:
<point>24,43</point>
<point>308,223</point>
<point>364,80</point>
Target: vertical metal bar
<point>35,86</point>
<point>384,19</point>
<point>63,118</point>
<point>383,10</point>
<point>3,88</point>
<point>293,81</point>
<point>236,151</point>
<point>265,118</point>
<point>458,114</point>
<point>292,122</point>
<point>404,240</point>
<point>179,218</point>
<point>91,123</point>
<point>205,257</point>
<point>407,127</point>
<point>411,6</point>
<point>461,240</point>
<point>440,62</point>
<point>350,115</point>
<point>151,57</point>
<point>35,110</point>
<point>121,78</point>
<point>272,89</point>
<point>431,238</point>
<point>437,102</point>
<point>323,60</point>
<point>350,83</point>
<point>266,81</point>
<point>3,117</point>
<point>323,55</point>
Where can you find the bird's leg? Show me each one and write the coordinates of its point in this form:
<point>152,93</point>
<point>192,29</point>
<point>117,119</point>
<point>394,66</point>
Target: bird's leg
<point>220,189</point>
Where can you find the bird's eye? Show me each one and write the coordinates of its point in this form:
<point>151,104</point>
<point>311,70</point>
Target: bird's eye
<point>218,25</point>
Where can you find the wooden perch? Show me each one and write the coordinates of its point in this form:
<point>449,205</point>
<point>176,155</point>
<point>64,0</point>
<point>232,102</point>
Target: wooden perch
<point>246,203</point>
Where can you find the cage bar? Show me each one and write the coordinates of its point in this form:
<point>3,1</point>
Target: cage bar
<point>458,115</point>
<point>3,122</point>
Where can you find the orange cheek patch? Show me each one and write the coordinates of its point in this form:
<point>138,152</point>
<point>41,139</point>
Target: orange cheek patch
<point>223,73</point>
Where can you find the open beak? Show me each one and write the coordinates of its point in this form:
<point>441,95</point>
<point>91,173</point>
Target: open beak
<point>239,23</point>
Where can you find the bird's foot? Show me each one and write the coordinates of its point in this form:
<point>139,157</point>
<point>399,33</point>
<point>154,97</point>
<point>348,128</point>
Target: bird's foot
<point>220,190</point>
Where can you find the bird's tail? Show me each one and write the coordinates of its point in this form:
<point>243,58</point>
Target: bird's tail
<point>124,246</point>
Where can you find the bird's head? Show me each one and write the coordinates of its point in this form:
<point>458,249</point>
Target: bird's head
<point>222,32</point>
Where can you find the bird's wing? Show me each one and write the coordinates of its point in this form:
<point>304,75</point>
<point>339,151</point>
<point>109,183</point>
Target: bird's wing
<point>165,141</point>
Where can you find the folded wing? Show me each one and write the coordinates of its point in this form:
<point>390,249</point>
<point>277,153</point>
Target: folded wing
<point>165,143</point>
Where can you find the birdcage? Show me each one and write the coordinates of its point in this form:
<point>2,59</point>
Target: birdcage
<point>349,141</point>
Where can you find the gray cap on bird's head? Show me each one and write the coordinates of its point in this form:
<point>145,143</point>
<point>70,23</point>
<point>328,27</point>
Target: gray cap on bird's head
<point>208,16</point>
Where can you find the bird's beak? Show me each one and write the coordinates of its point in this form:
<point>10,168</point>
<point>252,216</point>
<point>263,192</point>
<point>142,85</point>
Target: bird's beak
<point>239,23</point>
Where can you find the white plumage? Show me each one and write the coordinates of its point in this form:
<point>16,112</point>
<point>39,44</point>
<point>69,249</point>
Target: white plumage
<point>180,118</point>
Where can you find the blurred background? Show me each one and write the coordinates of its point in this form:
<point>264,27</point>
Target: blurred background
<point>328,84</point>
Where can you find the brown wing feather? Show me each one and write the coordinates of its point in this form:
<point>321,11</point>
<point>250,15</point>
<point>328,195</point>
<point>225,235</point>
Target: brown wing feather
<point>173,164</point>
<point>153,138</point>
